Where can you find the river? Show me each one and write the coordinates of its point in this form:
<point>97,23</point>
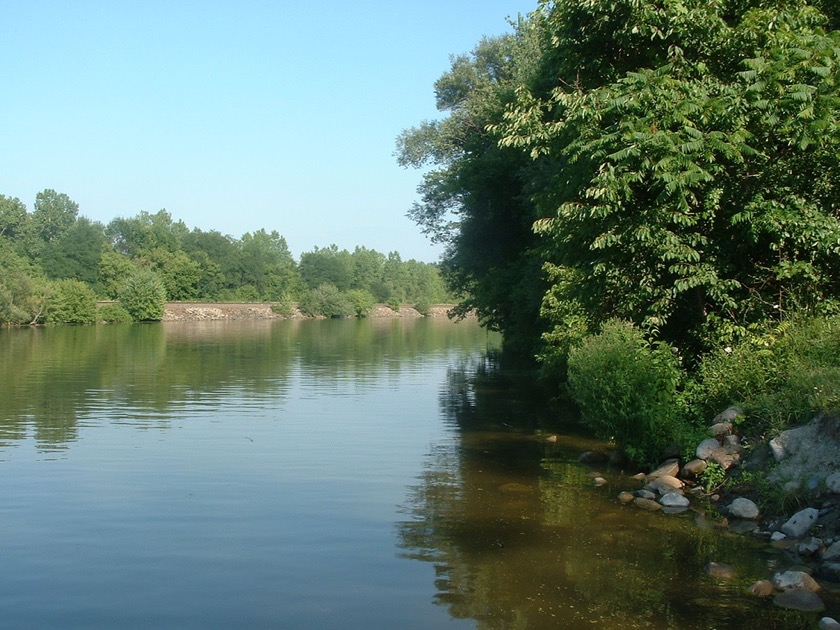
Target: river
<point>325,474</point>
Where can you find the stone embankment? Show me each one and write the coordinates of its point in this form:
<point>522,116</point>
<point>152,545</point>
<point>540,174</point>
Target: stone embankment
<point>200,311</point>
<point>799,467</point>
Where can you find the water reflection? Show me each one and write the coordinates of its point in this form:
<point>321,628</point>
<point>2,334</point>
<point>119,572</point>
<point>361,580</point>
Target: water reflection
<point>519,537</point>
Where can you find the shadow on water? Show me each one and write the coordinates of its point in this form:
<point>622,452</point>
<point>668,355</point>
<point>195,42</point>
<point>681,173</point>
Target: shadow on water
<point>520,537</point>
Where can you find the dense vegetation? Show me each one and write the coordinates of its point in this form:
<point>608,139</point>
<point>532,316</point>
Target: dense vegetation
<point>56,264</point>
<point>625,187</point>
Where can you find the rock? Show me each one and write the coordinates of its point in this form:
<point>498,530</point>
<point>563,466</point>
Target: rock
<point>829,571</point>
<point>809,547</point>
<point>725,457</point>
<point>706,448</point>
<point>791,487</point>
<point>665,484</point>
<point>592,457</point>
<point>551,439</point>
<point>832,483</point>
<point>743,508</point>
<point>777,536</point>
<point>645,494</point>
<point>673,499</point>
<point>672,451</point>
<point>827,623</point>
<point>799,524</point>
<point>777,449</point>
<point>639,476</point>
<point>794,580</point>
<point>730,414</point>
<point>599,481</point>
<point>762,588</point>
<point>731,441</point>
<point>626,497</point>
<point>720,430</point>
<point>646,504</point>
<point>617,458</point>
<point>693,469</point>
<point>832,553</point>
<point>669,468</point>
<point>719,570</point>
<point>741,526</point>
<point>799,599</point>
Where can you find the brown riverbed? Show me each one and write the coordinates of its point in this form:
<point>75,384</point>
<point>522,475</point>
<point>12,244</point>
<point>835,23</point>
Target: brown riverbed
<point>199,311</point>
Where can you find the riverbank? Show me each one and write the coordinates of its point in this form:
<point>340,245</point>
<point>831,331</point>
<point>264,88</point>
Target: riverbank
<point>202,311</point>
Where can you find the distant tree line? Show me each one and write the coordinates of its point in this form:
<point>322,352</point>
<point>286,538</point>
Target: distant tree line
<point>56,264</point>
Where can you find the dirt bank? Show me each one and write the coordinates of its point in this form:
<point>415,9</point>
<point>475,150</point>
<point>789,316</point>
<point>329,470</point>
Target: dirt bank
<point>198,311</point>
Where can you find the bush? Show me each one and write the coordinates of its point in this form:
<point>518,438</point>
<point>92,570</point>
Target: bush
<point>626,389</point>
<point>113,314</point>
<point>780,377</point>
<point>362,301</point>
<point>143,296</point>
<point>72,302</point>
<point>283,307</point>
<point>326,301</point>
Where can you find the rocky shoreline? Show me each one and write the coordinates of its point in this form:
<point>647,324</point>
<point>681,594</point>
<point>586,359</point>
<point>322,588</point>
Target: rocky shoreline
<point>217,311</point>
<point>799,474</point>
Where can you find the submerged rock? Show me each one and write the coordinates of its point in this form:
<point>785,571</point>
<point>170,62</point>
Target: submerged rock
<point>720,570</point>
<point>626,497</point>
<point>674,500</point>
<point>646,504</point>
<point>799,599</point>
<point>762,588</point>
<point>794,580</point>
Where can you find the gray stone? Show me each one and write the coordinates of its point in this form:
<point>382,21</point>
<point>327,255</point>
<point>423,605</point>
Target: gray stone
<point>731,441</point>
<point>799,599</point>
<point>720,570</point>
<point>832,553</point>
<point>743,508</point>
<point>730,414</point>
<point>832,482</point>
<point>599,481</point>
<point>777,536</point>
<point>665,484</point>
<point>726,457</point>
<point>693,469</point>
<point>829,571</point>
<point>809,547</point>
<point>669,468</point>
<point>777,449</point>
<point>741,526</point>
<point>673,499</point>
<point>794,579</point>
<point>799,524</point>
<point>827,623</point>
<point>646,494</point>
<point>706,448</point>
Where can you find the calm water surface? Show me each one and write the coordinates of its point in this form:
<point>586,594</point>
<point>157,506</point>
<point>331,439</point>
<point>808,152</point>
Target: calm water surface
<point>335,474</point>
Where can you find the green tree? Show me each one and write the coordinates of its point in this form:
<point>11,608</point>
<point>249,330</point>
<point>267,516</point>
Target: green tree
<point>76,253</point>
<point>71,302</point>
<point>53,215</point>
<point>23,292</point>
<point>13,217</point>
<point>137,236</point>
<point>143,295</point>
<point>327,266</point>
<point>685,163</point>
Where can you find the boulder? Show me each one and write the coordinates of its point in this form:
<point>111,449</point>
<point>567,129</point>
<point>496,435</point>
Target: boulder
<point>646,494</point>
<point>809,547</point>
<point>706,448</point>
<point>673,499</point>
<point>777,449</point>
<point>794,579</point>
<point>669,468</point>
<point>799,524</point>
<point>829,571</point>
<point>726,457</point>
<point>693,469</point>
<point>799,599</point>
<point>743,508</point>
<point>730,414</point>
<point>720,430</point>
<point>827,623</point>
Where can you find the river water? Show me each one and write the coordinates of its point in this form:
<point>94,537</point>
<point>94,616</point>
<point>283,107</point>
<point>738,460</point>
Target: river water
<point>325,474</point>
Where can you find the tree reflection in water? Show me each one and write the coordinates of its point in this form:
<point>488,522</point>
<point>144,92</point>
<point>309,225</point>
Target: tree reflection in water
<point>520,537</point>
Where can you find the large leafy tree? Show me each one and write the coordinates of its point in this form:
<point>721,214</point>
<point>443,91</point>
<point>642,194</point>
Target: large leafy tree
<point>688,174</point>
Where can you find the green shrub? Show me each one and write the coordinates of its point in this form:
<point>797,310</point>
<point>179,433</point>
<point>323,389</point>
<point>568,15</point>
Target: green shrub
<point>423,307</point>
<point>113,314</point>
<point>394,303</point>
<point>362,301</point>
<point>326,301</point>
<point>143,296</point>
<point>781,377</point>
<point>626,389</point>
<point>72,302</point>
<point>284,307</point>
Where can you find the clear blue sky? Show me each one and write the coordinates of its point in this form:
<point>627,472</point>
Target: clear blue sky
<point>232,116</point>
